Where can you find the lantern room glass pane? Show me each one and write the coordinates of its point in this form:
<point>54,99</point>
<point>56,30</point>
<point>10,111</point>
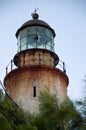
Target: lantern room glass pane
<point>31,38</point>
<point>23,41</point>
<point>22,34</point>
<point>24,47</point>
<point>49,34</point>
<point>31,30</point>
<point>35,37</point>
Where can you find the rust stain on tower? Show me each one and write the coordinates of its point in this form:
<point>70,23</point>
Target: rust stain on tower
<point>36,64</point>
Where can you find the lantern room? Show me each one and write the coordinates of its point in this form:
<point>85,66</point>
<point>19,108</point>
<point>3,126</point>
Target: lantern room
<point>35,33</point>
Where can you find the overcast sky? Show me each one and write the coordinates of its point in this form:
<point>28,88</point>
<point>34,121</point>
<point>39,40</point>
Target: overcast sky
<point>66,17</point>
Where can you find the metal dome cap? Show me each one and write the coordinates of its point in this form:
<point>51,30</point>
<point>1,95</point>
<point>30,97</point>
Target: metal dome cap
<point>35,22</point>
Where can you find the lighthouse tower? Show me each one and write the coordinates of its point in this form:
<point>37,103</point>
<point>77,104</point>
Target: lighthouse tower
<point>36,63</point>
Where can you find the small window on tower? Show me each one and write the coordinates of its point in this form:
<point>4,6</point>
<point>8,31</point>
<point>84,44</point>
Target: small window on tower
<point>34,91</point>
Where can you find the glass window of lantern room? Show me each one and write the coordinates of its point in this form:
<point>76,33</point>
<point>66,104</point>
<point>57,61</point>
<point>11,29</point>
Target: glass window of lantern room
<point>41,41</point>
<point>41,31</point>
<point>31,30</point>
<point>39,37</point>
<point>35,36</point>
<point>49,40</point>
<point>49,33</point>
<point>23,43</point>
<point>31,41</point>
<point>22,34</point>
<point>49,44</point>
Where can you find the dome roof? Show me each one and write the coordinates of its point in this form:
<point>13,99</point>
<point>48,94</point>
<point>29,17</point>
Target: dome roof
<point>35,22</point>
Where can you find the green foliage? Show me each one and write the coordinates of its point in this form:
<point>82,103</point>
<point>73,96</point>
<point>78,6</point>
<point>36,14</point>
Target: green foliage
<point>11,116</point>
<point>51,116</point>
<point>4,123</point>
<point>55,116</point>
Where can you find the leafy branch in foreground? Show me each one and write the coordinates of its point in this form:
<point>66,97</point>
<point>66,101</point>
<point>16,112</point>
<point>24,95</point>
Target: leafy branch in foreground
<point>12,117</point>
<point>51,116</point>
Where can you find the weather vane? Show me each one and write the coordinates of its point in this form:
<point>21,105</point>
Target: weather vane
<point>34,14</point>
<point>35,10</point>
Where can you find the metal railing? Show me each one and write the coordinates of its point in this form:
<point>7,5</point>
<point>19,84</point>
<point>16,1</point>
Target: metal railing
<point>61,65</point>
<point>11,66</point>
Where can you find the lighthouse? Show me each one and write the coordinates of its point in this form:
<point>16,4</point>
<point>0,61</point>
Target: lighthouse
<point>36,66</point>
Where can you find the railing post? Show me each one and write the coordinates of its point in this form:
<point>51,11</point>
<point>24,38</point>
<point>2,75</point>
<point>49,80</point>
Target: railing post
<point>64,68</point>
<point>6,70</point>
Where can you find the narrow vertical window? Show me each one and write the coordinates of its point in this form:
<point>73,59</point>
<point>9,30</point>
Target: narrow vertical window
<point>34,91</point>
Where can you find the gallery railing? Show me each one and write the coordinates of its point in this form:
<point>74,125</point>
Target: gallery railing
<point>11,66</point>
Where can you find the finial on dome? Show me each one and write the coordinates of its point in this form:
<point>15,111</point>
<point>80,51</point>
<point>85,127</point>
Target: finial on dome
<point>34,14</point>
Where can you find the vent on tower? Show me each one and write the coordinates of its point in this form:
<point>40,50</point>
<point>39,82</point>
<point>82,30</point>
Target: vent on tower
<point>34,91</point>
